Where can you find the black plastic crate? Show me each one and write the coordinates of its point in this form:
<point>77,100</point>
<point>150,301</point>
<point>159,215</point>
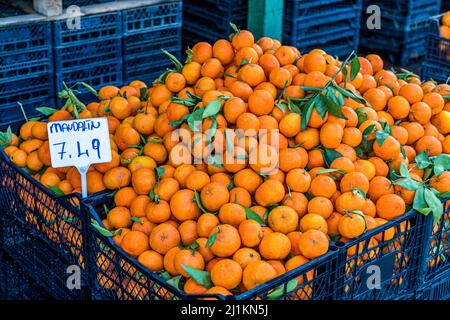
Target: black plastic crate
<point>117,276</point>
<point>439,289</point>
<point>44,234</point>
<point>395,258</point>
<point>41,263</point>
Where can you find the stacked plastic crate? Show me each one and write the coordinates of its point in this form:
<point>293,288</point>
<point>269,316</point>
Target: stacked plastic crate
<point>332,25</point>
<point>403,30</point>
<point>25,67</point>
<point>89,51</point>
<point>209,20</point>
<point>437,63</point>
<point>147,30</point>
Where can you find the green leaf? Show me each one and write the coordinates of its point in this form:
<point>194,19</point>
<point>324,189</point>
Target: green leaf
<point>367,131</point>
<point>234,27</point>
<point>136,219</point>
<point>252,215</point>
<point>57,191</point>
<point>330,155</point>
<point>279,291</point>
<point>419,203</point>
<point>360,191</point>
<point>381,136</point>
<point>211,240</point>
<point>306,113</point>
<point>199,276</point>
<point>212,109</point>
<point>210,133</point>
<point>174,60</point>
<point>159,172</point>
<point>407,183</point>
<point>199,202</point>
<point>90,89</point>
<point>178,122</point>
<point>441,163</point>
<point>354,68</point>
<point>434,204</point>
<point>422,160</point>
<point>195,118</point>
<point>321,105</point>
<point>230,146</point>
<point>330,170</point>
<point>445,195</point>
<point>404,172</point>
<point>175,281</point>
<point>46,111</point>
<point>100,229</point>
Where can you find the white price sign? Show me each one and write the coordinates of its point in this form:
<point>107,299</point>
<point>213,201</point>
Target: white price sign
<point>79,143</point>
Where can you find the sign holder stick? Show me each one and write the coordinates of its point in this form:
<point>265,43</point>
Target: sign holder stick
<point>83,171</point>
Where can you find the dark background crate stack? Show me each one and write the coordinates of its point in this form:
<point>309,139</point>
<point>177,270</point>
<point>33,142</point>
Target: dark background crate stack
<point>331,25</point>
<point>209,20</point>
<point>404,28</point>
<point>91,54</point>
<point>26,68</point>
<point>147,30</point>
<point>16,284</point>
<point>437,62</point>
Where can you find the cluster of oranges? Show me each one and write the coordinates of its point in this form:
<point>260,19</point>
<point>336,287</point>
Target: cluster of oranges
<point>340,129</point>
<point>444,29</point>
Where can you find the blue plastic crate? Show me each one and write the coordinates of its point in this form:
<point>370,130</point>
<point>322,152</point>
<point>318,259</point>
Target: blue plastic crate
<point>408,11</point>
<point>395,260</point>
<point>121,277</point>
<point>439,73</point>
<point>145,69</point>
<point>438,48</point>
<point>314,24</point>
<point>26,64</point>
<point>86,54</point>
<point>23,37</point>
<point>438,254</point>
<point>16,284</point>
<point>209,20</point>
<point>151,18</point>
<point>140,44</point>
<point>96,76</point>
<point>92,28</point>
<point>438,290</point>
<point>31,92</point>
<point>11,112</point>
